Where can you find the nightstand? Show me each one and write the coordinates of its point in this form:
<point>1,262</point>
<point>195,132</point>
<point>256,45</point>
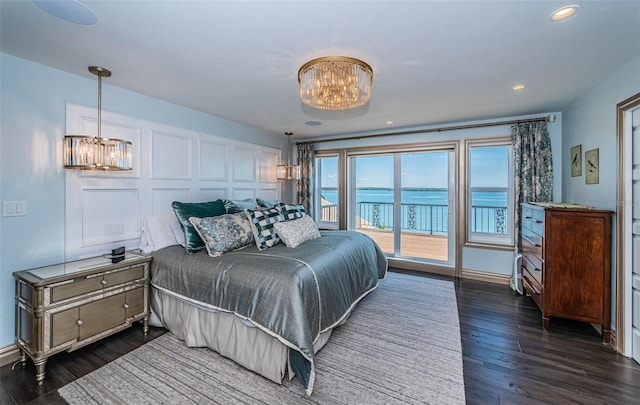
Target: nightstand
<point>69,305</point>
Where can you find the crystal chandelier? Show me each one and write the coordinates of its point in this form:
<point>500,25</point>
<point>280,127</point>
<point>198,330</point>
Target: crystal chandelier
<point>82,152</point>
<point>335,83</point>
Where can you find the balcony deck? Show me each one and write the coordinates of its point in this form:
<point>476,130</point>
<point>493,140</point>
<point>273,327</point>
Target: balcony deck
<point>413,244</point>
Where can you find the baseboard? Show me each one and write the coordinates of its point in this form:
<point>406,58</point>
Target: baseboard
<point>503,279</point>
<point>9,354</point>
<point>405,264</point>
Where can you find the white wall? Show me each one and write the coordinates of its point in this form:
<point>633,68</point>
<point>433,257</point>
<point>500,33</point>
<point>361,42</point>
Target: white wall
<point>476,259</point>
<point>591,122</point>
<point>33,99</point>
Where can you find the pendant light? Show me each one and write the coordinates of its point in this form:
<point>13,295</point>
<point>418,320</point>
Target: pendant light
<point>82,152</point>
<point>288,171</point>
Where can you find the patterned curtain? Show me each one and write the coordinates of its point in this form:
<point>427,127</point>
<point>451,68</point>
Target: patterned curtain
<point>533,173</point>
<point>305,185</point>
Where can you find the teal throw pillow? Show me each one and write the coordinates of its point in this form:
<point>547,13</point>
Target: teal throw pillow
<point>233,206</point>
<point>184,211</point>
<point>267,203</point>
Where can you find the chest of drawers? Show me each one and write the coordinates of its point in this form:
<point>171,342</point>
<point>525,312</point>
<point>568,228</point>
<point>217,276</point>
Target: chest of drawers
<point>69,305</point>
<point>566,263</point>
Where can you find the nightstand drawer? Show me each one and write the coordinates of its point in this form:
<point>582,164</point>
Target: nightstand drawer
<point>100,316</point>
<point>95,283</point>
<point>121,277</point>
<point>77,287</point>
<point>87,320</point>
<point>134,303</point>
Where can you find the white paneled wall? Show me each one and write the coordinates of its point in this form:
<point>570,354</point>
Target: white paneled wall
<point>104,210</point>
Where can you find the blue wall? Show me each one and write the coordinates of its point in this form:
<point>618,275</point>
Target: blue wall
<point>32,108</point>
<point>590,121</point>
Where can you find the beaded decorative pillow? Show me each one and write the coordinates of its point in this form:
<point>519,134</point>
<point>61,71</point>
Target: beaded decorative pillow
<point>298,231</point>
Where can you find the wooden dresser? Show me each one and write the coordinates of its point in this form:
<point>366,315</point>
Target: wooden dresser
<point>69,305</point>
<point>566,263</point>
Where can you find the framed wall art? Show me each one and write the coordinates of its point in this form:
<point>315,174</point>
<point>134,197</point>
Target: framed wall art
<point>591,167</point>
<point>576,161</point>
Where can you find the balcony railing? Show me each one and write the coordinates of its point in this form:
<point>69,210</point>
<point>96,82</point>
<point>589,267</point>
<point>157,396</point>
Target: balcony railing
<point>423,218</point>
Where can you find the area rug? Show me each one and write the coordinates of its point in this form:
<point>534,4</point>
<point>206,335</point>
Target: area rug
<point>401,345</point>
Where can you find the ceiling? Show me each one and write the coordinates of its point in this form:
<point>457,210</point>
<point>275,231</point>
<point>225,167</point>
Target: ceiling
<point>434,62</point>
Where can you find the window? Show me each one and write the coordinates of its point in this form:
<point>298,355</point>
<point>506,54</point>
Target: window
<point>490,192</point>
<point>404,202</point>
<point>326,195</point>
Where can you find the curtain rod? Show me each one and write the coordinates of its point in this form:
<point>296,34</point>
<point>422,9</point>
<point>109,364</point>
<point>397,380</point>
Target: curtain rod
<point>550,118</point>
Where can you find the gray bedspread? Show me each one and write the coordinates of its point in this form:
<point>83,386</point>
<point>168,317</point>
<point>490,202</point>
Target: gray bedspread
<point>294,294</point>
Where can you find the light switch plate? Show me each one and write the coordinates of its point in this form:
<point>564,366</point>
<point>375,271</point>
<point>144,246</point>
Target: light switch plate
<point>14,208</point>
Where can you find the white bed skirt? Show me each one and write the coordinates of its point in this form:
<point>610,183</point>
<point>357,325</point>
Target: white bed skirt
<point>199,325</point>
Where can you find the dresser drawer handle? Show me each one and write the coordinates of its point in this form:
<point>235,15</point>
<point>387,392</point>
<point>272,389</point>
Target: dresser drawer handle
<point>531,263</point>
<point>531,241</point>
<point>104,282</point>
<point>79,322</point>
<point>126,306</point>
<point>538,221</point>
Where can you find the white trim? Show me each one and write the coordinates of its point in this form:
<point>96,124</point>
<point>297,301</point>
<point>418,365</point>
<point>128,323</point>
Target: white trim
<point>479,237</point>
<point>9,354</point>
<point>189,166</point>
<point>494,278</point>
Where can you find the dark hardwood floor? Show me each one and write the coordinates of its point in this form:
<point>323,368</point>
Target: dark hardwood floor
<point>507,358</point>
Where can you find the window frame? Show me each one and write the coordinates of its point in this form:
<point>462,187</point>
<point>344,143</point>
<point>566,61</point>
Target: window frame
<point>317,191</point>
<point>481,238</point>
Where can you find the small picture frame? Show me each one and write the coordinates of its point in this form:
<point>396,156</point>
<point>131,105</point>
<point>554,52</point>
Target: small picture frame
<point>591,166</point>
<point>576,161</point>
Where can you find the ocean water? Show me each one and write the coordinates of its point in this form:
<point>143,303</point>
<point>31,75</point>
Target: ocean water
<point>426,197</point>
<point>429,215</point>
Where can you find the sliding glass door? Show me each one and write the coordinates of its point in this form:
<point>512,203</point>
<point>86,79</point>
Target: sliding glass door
<point>404,202</point>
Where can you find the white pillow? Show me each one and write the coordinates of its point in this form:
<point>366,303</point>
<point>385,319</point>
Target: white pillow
<point>159,232</point>
<point>296,232</point>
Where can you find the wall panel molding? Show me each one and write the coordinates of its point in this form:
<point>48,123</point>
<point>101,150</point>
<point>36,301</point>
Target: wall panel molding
<point>106,210</point>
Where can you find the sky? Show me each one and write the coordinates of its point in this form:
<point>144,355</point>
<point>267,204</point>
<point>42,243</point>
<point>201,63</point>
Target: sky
<point>423,170</point>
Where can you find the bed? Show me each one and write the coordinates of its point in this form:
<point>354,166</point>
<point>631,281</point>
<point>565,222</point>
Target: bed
<point>269,310</point>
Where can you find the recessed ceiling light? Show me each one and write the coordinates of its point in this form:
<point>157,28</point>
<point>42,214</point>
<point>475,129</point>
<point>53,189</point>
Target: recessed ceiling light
<point>389,122</point>
<point>69,10</point>
<point>519,87</point>
<point>563,13</point>
<point>313,123</point>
